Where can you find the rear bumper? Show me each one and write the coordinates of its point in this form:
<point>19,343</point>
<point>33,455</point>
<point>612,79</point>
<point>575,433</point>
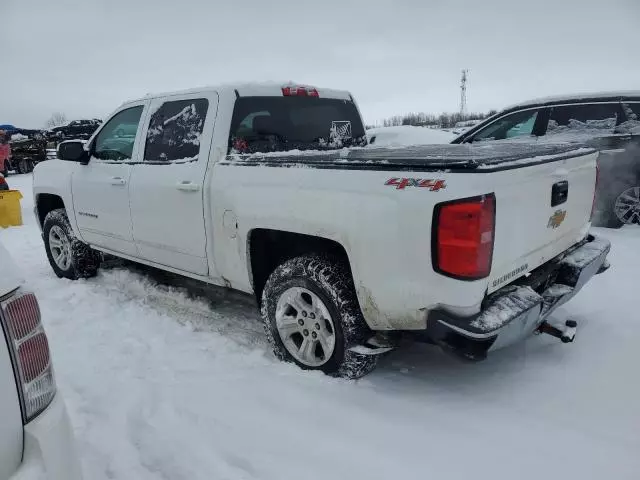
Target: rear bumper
<point>49,449</point>
<point>517,310</point>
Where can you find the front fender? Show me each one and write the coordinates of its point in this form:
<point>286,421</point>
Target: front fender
<point>53,177</point>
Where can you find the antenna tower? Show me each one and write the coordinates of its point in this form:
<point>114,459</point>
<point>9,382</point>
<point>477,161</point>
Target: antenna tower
<point>463,93</point>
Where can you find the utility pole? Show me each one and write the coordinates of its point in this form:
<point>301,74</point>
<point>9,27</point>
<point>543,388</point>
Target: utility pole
<point>463,93</point>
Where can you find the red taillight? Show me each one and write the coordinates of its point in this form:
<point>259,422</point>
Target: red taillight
<point>299,91</point>
<point>463,233</point>
<point>2,181</point>
<point>28,341</point>
<point>595,189</point>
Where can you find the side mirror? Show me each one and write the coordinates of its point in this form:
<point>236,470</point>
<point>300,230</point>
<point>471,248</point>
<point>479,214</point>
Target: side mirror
<point>73,151</point>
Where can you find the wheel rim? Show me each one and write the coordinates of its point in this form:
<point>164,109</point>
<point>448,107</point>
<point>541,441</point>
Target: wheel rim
<point>305,326</point>
<point>60,247</point>
<point>627,207</point>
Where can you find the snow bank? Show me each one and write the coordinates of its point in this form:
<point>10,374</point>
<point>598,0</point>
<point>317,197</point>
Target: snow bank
<point>168,383</point>
<point>408,135</point>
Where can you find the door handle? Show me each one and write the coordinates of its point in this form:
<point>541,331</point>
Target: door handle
<point>118,181</point>
<point>559,193</point>
<point>612,151</point>
<point>187,186</point>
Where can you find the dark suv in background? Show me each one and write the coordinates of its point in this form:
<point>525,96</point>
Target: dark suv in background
<point>76,129</point>
<point>609,122</point>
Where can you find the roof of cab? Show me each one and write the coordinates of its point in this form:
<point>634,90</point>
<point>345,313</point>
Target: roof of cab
<point>248,89</point>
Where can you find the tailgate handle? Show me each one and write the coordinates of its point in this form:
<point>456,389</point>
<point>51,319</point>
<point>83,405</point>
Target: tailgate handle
<point>559,193</point>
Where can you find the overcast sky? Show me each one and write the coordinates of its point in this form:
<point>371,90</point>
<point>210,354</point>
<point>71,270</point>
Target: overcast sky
<point>85,57</point>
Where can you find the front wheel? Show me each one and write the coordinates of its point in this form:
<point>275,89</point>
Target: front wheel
<point>68,256</point>
<point>312,317</point>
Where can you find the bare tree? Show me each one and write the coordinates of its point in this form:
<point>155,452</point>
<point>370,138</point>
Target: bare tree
<point>56,119</point>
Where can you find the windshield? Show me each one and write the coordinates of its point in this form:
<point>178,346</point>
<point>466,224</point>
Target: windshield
<point>272,124</point>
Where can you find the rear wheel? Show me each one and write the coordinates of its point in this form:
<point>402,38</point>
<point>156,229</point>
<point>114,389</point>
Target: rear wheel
<point>312,317</point>
<point>68,256</point>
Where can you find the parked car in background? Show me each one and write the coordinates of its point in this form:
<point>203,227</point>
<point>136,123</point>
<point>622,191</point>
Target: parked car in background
<point>81,129</point>
<point>249,187</point>
<point>609,122</point>
<point>35,434</point>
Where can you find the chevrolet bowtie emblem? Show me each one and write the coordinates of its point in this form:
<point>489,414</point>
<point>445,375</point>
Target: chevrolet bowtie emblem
<point>556,219</point>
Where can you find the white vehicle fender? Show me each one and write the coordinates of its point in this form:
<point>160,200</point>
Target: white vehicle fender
<point>53,177</point>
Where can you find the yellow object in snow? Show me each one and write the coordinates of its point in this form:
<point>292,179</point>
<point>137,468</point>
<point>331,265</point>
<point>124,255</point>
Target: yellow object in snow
<point>10,211</point>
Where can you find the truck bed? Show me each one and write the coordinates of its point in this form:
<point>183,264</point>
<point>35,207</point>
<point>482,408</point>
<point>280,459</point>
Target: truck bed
<point>463,157</point>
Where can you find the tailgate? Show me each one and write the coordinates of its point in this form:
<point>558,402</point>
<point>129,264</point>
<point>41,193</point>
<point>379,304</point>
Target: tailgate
<point>541,210</point>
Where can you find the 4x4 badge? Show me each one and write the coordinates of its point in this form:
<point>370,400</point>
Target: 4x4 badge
<point>556,219</point>
<point>431,184</point>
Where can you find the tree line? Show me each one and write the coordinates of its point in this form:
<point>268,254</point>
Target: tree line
<point>444,120</point>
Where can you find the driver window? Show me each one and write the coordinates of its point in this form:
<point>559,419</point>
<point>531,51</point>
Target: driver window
<point>115,140</point>
<point>515,125</point>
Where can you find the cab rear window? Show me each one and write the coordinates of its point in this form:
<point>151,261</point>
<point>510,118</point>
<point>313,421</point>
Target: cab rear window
<point>272,124</point>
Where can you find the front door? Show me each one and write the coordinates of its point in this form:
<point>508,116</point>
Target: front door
<point>167,191</point>
<point>100,189</point>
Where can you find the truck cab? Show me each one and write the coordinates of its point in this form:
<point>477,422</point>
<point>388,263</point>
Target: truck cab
<point>141,190</point>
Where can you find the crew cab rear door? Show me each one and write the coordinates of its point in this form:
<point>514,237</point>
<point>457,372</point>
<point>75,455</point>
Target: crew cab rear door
<point>166,191</point>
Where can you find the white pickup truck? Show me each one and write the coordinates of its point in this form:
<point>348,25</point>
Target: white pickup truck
<point>35,434</point>
<point>346,249</point>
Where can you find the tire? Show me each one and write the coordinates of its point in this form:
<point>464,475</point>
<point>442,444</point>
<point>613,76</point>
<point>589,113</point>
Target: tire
<point>308,279</point>
<point>627,206</point>
<point>22,166</point>
<point>80,260</point>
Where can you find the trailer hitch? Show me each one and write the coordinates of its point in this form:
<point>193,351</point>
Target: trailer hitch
<point>566,334</point>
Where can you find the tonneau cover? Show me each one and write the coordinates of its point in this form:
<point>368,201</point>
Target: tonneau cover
<point>465,157</point>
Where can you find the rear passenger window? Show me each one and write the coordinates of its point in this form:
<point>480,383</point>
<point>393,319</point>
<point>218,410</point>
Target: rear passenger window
<point>596,118</point>
<point>175,130</point>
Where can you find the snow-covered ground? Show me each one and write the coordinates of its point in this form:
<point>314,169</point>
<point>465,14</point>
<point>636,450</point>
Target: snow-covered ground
<point>165,383</point>
<point>408,135</point>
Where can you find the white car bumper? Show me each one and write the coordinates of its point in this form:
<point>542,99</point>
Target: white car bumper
<point>49,449</point>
